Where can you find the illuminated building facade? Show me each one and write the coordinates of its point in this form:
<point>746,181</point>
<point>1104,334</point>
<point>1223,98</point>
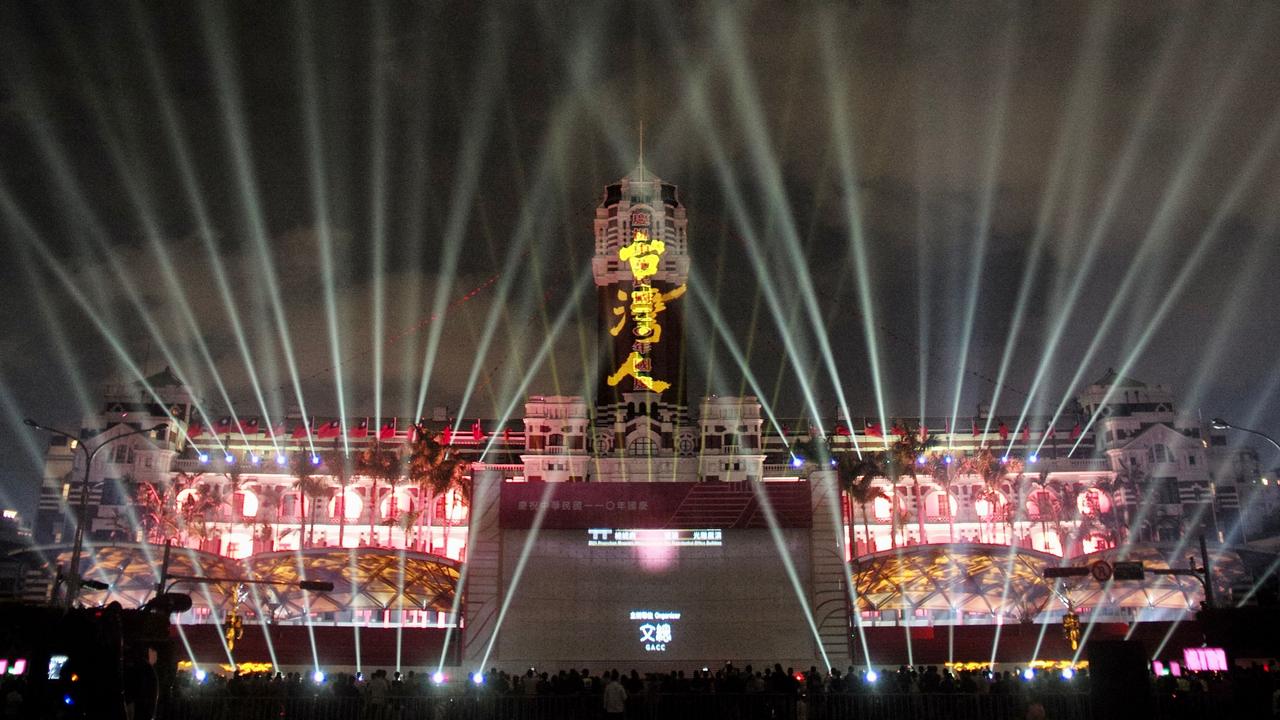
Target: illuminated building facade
<point>629,518</point>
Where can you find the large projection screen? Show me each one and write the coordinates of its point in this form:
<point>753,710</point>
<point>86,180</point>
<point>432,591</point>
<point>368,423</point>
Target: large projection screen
<point>655,607</point>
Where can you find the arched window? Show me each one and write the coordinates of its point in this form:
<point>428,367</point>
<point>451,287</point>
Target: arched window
<point>642,446</point>
<point>352,502</point>
<point>394,503</point>
<point>245,503</point>
<point>1042,504</point>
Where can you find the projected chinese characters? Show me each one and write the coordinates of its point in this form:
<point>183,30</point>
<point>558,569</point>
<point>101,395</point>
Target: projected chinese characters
<point>641,307</point>
<point>655,631</point>
<point>611,537</point>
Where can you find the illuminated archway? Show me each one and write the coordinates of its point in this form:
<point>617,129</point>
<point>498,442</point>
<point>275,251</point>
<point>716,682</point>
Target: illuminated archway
<point>353,505</point>
<point>246,503</point>
<point>1093,502</point>
<point>399,501</point>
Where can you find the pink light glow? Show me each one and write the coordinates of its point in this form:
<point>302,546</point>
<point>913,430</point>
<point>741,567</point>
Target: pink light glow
<point>353,506</point>
<point>1093,502</point>
<point>880,508</point>
<point>1201,659</point>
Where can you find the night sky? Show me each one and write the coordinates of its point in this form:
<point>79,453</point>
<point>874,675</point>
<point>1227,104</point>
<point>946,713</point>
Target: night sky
<point>1112,170</point>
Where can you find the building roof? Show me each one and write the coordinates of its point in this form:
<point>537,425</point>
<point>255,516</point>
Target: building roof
<point>993,579</point>
<point>641,174</point>
<point>1113,378</point>
<point>164,378</point>
<point>363,578</point>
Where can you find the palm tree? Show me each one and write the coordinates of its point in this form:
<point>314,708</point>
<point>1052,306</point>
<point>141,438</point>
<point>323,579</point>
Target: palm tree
<point>235,479</point>
<point>431,467</point>
<point>857,479</point>
<point>340,466</point>
<point>269,497</point>
<point>156,509</point>
<point>1068,494</point>
<point>942,476</point>
<point>1129,476</point>
<point>206,505</point>
<point>309,487</point>
<point>906,452</point>
<point>992,469</point>
<point>1108,485</point>
<point>377,462</point>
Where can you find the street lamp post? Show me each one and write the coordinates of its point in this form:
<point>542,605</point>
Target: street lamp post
<point>1220,424</point>
<point>82,515</point>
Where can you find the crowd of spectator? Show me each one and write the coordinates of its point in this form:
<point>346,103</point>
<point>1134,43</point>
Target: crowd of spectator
<point>615,692</point>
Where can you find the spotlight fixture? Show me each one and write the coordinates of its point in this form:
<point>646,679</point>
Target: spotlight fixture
<point>315,459</point>
<point>1028,674</point>
<point>204,458</point>
<point>437,677</point>
<point>229,459</point>
<point>1032,458</point>
<point>281,459</point>
<point>477,677</point>
<point>254,459</point>
<point>872,676</point>
<point>318,677</point>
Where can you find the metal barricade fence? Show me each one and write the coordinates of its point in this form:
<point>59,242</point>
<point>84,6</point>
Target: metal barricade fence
<point>694,706</point>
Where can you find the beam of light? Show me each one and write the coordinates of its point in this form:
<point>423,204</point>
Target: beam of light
<point>237,137</point>
<point>780,543</point>
<point>695,93</point>
<point>526,233</point>
<point>1161,226</point>
<point>548,491</point>
<point>1247,278</point>
<point>1172,559</point>
<point>767,168</point>
<point>1112,194</point>
<point>26,233</point>
<point>1019,504</point>
<point>982,233</point>
<point>850,588</point>
<point>1190,264</point>
<point>842,132</point>
<point>52,322</point>
<point>479,116</point>
<point>314,136</point>
<point>129,174</point>
<point>203,587</point>
<point>264,623</point>
<point>705,303</point>
<point>306,598</point>
<point>584,281</point>
<point>726,335</point>
<point>182,635</point>
<point>400,602</point>
<point>195,200</point>
<point>694,86</point>
<point>377,199</point>
<point>68,186</point>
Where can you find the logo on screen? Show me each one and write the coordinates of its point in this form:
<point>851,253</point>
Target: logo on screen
<point>655,629</point>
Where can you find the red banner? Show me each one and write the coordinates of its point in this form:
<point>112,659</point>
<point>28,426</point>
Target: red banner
<point>574,506</point>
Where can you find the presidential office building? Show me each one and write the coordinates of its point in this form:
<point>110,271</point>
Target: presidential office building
<point>639,529</point>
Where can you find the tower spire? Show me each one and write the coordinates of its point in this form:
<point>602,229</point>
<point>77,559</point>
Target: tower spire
<point>642,149</point>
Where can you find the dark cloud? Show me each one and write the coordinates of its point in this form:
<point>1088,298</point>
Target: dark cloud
<point>724,90</point>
